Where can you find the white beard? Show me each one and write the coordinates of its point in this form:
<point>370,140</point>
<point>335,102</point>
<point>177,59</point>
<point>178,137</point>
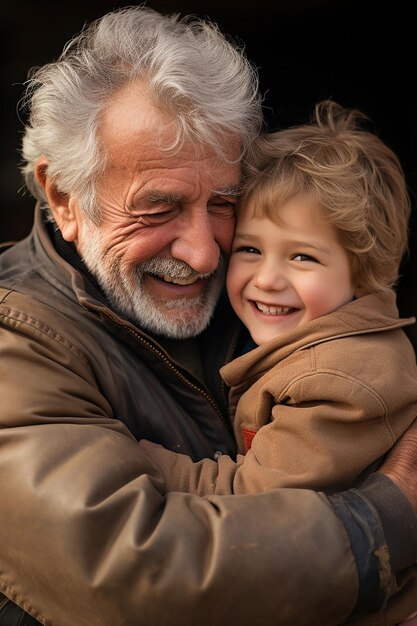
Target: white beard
<point>178,318</point>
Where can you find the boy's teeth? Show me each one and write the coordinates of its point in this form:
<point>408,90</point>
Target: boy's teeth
<point>273,310</point>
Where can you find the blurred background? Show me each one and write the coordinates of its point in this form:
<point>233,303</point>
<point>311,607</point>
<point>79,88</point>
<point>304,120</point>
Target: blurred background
<point>362,53</point>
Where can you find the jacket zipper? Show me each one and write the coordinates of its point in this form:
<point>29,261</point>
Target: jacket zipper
<point>166,362</point>
<point>229,357</point>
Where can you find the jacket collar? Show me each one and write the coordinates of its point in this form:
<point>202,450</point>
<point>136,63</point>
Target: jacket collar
<point>60,264</point>
<point>373,313</point>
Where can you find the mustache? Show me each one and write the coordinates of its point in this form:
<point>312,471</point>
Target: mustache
<point>174,268</point>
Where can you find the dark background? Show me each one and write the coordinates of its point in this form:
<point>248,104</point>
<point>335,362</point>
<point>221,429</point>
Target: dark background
<point>362,54</point>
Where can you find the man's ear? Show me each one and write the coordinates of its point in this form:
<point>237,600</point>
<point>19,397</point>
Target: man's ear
<point>63,207</point>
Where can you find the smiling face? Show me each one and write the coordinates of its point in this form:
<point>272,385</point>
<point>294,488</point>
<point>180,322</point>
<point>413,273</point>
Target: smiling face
<point>166,221</point>
<point>285,273</point>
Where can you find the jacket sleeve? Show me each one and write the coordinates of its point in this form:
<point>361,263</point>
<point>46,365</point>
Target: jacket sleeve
<point>89,537</point>
<point>329,430</point>
<point>395,512</point>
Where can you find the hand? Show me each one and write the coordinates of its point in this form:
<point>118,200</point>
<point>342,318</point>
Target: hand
<point>400,464</point>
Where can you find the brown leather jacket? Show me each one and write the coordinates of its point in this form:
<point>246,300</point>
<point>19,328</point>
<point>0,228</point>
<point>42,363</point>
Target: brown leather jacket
<point>88,537</point>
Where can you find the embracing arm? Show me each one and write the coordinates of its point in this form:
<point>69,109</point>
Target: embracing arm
<point>331,428</point>
<point>400,466</point>
<point>105,546</point>
<point>89,537</point>
<point>386,491</point>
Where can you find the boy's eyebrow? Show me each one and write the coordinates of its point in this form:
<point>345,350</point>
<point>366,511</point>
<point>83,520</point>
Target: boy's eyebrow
<point>301,244</point>
<point>312,245</point>
<point>239,235</point>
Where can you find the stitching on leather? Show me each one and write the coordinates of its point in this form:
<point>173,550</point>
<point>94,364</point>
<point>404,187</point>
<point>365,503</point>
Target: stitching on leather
<point>15,318</point>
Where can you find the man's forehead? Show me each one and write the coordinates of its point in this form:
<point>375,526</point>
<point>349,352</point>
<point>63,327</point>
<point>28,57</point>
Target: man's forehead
<point>129,110</point>
<point>185,170</point>
<point>146,155</point>
<point>137,136</point>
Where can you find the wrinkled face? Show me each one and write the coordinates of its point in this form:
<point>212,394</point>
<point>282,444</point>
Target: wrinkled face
<point>282,274</point>
<point>166,223</point>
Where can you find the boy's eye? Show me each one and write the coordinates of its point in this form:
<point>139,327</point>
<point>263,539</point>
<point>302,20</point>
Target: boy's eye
<point>304,257</point>
<point>247,250</point>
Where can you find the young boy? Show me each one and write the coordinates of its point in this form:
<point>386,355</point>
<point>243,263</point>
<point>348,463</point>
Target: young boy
<point>331,380</point>
<point>332,383</point>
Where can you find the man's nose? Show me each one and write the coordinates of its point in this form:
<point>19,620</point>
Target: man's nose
<point>196,244</point>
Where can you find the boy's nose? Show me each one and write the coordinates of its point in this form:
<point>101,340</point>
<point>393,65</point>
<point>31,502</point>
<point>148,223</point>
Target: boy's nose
<point>270,278</point>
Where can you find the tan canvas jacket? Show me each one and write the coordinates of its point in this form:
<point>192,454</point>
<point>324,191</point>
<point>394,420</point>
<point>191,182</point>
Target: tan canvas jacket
<point>314,408</point>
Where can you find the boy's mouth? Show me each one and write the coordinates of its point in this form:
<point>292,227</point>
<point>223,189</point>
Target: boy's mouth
<point>268,309</point>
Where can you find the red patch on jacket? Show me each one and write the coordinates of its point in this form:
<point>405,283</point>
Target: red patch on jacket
<point>248,434</point>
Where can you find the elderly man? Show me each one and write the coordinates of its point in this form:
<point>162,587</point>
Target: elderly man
<point>113,326</point>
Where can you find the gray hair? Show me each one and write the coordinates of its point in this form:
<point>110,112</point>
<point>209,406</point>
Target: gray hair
<point>203,81</point>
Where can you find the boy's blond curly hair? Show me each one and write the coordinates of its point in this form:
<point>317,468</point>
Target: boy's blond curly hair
<point>356,179</point>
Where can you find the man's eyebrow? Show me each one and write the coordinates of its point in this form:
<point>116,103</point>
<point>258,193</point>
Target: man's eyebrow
<point>228,190</point>
<point>155,195</point>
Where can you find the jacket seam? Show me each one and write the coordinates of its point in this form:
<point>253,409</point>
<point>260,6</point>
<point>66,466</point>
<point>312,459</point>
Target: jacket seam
<point>352,379</point>
<point>12,594</point>
<point>15,318</point>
